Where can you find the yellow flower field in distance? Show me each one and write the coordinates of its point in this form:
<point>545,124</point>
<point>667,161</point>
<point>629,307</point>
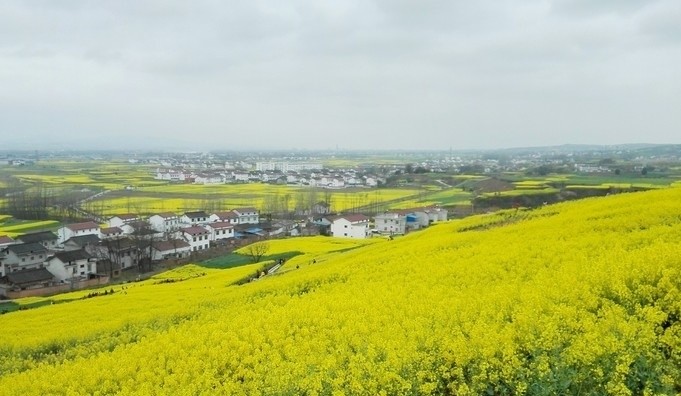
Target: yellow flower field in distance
<point>581,297</point>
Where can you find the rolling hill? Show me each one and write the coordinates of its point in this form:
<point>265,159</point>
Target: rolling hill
<point>575,298</point>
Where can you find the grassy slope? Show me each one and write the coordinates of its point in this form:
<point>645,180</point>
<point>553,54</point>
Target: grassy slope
<point>578,297</point>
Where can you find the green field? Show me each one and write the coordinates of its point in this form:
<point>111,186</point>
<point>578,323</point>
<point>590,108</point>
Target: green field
<point>14,228</point>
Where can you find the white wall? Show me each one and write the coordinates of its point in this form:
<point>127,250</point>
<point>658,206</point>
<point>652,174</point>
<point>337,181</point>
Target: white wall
<point>342,228</point>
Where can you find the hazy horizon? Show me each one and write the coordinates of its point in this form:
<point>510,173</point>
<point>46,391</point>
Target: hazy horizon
<point>359,75</point>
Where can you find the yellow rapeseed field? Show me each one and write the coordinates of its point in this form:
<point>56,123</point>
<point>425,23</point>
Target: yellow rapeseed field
<point>576,298</point>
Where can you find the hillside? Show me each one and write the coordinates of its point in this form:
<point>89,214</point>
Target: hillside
<point>576,298</point>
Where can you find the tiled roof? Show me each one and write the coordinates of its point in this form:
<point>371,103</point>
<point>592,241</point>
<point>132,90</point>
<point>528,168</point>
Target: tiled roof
<point>72,255</point>
<point>194,215</point>
<point>195,230</point>
<point>4,239</point>
<point>38,237</point>
<point>83,240</point>
<point>83,226</point>
<point>111,230</point>
<point>245,210</point>
<point>354,218</point>
<point>29,276</point>
<point>164,246</point>
<point>227,215</point>
<point>220,225</point>
<point>27,248</point>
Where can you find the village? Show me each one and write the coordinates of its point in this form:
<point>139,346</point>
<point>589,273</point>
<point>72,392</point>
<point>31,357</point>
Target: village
<point>88,254</point>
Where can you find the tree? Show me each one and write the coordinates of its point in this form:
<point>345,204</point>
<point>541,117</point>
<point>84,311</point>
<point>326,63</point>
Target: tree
<point>256,250</point>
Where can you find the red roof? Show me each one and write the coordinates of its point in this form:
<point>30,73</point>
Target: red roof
<point>354,218</point>
<point>111,230</point>
<point>226,215</point>
<point>5,239</point>
<point>195,230</point>
<point>82,226</point>
<point>220,225</point>
<point>164,246</point>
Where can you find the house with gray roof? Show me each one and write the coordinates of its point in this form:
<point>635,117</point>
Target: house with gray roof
<point>26,279</point>
<point>22,256</point>
<point>72,265</point>
<point>45,238</point>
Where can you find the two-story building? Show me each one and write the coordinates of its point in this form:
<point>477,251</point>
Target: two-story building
<point>197,237</point>
<point>77,229</point>
<point>22,256</point>
<point>350,226</point>
<point>72,265</point>
<point>248,215</point>
<point>165,222</point>
<point>123,253</point>
<point>220,230</point>
<point>194,218</point>
<point>391,223</point>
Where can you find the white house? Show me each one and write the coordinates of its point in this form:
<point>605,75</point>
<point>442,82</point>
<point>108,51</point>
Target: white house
<point>391,223</point>
<point>170,175</point>
<point>350,226</point>
<point>194,218</point>
<point>110,232</point>
<point>204,178</point>
<point>247,215</point>
<point>226,217</point>
<point>66,266</point>
<point>197,237</point>
<point>22,256</point>
<point>78,229</point>
<point>120,220</point>
<point>164,222</point>
<point>337,183</point>
<point>241,177</point>
<point>175,248</point>
<point>220,230</point>
<point>436,214</point>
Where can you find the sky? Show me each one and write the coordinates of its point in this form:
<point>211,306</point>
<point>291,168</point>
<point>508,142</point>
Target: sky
<point>354,74</point>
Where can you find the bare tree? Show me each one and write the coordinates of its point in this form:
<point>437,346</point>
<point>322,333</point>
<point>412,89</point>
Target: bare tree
<point>257,250</point>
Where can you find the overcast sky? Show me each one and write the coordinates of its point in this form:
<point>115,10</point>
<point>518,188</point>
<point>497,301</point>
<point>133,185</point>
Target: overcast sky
<point>377,74</point>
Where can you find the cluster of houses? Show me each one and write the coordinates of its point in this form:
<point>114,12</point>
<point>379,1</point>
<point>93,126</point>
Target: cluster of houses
<point>396,222</point>
<point>83,254</point>
<point>312,177</point>
<point>80,253</point>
